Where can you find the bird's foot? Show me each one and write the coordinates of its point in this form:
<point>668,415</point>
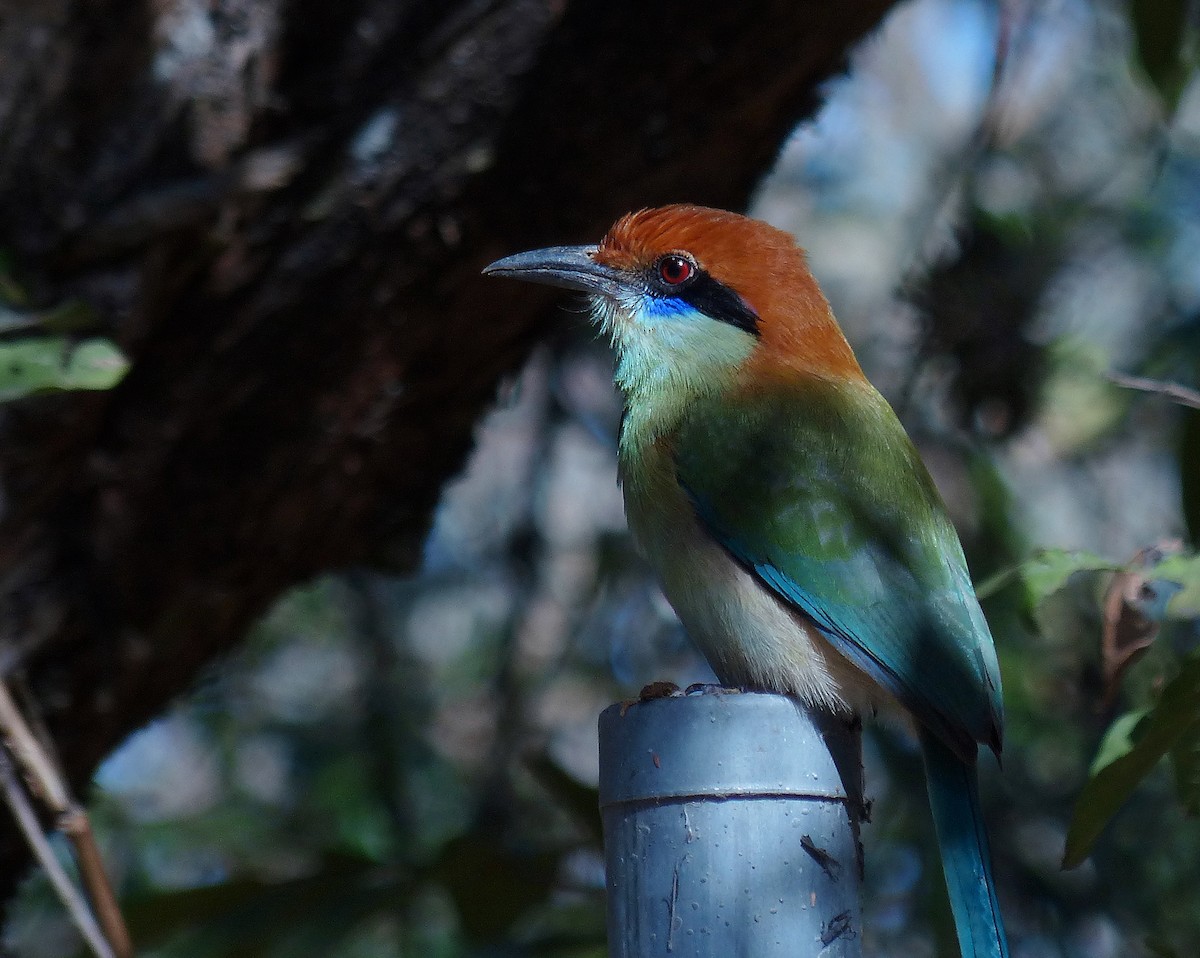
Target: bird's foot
<point>658,690</point>
<point>655,690</point>
<point>711,688</point>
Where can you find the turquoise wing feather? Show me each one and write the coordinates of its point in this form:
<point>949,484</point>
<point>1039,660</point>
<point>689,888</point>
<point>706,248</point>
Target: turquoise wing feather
<point>817,488</point>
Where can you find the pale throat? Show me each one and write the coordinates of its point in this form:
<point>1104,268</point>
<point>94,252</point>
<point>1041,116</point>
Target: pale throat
<point>668,356</point>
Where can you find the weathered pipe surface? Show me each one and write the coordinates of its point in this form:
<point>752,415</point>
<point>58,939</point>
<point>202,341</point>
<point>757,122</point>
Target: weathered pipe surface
<point>730,828</point>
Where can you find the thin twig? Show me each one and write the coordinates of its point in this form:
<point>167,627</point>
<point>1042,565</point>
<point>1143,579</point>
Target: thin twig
<point>27,821</point>
<point>78,829</point>
<point>49,784</point>
<point>1183,395</point>
<point>30,756</point>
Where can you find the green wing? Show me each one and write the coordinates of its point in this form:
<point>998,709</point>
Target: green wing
<point>820,492</point>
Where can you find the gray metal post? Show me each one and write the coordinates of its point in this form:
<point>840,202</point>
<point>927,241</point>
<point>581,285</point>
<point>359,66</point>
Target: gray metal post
<point>730,828</point>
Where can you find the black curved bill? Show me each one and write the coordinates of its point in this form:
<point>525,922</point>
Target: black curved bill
<point>570,267</point>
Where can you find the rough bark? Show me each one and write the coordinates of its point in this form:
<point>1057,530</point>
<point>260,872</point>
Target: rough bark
<point>279,209</point>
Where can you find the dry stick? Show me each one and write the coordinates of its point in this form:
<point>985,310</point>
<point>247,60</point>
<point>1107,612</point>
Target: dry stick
<point>30,756</point>
<point>27,820</point>
<point>1173,391</point>
<point>48,783</point>
<point>75,825</point>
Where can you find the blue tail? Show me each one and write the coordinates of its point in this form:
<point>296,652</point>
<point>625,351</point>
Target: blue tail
<point>954,799</point>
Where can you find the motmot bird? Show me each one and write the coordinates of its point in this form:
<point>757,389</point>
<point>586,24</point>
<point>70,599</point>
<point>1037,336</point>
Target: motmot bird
<point>783,507</point>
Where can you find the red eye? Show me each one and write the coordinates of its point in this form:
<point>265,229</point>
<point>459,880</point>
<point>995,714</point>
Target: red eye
<point>673,270</point>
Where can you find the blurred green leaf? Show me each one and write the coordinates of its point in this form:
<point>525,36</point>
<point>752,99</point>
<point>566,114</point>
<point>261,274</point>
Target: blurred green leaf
<point>1177,714</point>
<point>56,363</point>
<point>1048,571</point>
<point>1045,572</point>
<point>1118,740</point>
<point>1160,29</point>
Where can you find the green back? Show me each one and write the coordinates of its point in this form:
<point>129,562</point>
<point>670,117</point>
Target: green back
<point>820,492</point>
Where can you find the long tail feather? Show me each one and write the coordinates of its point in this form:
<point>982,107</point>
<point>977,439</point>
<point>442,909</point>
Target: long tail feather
<point>957,817</point>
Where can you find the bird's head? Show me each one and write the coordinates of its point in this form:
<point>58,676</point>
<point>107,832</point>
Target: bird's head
<point>696,300</point>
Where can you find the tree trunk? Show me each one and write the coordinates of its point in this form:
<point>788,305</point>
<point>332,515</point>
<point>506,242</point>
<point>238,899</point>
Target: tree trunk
<point>279,210</point>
